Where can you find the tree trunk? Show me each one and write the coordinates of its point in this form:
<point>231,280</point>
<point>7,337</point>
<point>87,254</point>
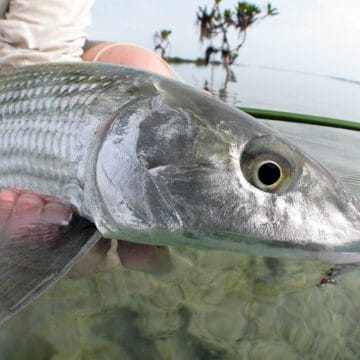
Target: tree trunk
<point>227,62</point>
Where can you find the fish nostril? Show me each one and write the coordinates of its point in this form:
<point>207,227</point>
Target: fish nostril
<point>269,173</point>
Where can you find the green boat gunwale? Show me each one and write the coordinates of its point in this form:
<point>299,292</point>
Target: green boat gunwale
<point>301,118</point>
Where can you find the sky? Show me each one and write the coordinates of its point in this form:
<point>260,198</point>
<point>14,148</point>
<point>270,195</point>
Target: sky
<point>316,36</point>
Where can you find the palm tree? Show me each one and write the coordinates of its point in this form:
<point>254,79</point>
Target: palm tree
<point>161,41</point>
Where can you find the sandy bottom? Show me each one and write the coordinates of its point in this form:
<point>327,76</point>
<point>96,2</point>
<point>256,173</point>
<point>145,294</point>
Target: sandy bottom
<point>213,305</point>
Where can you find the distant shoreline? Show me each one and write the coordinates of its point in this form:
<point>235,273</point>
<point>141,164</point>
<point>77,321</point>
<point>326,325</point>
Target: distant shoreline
<point>198,61</point>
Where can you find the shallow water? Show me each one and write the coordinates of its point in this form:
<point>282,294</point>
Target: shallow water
<point>274,89</point>
<point>214,304</point>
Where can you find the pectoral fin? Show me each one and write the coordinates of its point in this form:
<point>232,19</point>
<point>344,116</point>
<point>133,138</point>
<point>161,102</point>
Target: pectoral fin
<point>36,255</point>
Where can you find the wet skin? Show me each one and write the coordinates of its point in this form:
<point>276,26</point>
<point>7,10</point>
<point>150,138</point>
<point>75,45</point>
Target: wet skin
<point>24,209</point>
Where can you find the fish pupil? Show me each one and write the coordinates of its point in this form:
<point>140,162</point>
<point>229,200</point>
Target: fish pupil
<point>269,173</point>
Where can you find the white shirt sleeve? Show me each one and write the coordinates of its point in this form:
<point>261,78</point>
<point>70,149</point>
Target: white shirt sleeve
<point>33,31</point>
<point>3,7</point>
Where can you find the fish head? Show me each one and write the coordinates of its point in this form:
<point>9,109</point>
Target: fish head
<point>187,163</point>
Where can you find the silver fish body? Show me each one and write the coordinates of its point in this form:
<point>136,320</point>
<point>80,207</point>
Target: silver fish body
<point>155,161</point>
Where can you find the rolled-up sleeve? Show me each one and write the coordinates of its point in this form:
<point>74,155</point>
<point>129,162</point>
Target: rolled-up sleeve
<point>33,31</point>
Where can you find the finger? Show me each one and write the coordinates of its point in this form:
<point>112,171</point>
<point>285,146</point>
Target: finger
<point>7,202</point>
<point>55,212</point>
<point>25,211</point>
<point>148,258</point>
<point>97,259</point>
<point>28,203</point>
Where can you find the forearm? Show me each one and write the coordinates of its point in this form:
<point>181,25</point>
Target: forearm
<point>34,31</point>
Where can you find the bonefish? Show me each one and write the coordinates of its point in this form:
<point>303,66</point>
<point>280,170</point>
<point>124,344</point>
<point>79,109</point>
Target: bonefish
<point>150,160</point>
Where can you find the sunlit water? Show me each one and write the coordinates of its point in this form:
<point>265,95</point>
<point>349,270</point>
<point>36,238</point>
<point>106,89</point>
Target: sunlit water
<point>284,90</point>
<point>215,304</point>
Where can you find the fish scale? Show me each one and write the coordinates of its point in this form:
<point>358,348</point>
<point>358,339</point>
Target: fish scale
<point>44,127</point>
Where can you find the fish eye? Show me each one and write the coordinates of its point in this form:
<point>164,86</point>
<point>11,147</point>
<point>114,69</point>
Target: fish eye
<point>269,168</point>
<point>267,173</point>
